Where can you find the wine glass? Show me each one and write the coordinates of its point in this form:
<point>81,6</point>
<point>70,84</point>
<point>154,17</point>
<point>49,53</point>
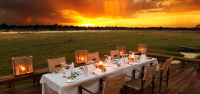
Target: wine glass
<point>130,52</point>
<point>123,56</point>
<point>126,57</point>
<point>90,63</point>
<point>63,64</point>
<point>106,59</point>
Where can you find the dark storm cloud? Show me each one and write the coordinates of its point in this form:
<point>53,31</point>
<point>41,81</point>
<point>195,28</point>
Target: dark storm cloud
<point>30,12</point>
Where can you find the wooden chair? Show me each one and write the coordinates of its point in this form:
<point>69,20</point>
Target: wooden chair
<point>54,64</point>
<point>115,54</point>
<point>141,84</point>
<point>93,57</point>
<point>164,73</point>
<point>112,86</point>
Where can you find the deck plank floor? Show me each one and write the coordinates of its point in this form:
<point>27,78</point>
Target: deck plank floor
<point>181,81</point>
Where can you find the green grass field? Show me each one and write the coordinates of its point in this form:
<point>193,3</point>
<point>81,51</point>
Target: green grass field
<point>43,46</point>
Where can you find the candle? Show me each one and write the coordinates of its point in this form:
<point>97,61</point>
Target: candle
<point>142,49</point>
<point>22,69</point>
<point>132,57</point>
<point>100,65</point>
<point>82,58</point>
<point>120,53</point>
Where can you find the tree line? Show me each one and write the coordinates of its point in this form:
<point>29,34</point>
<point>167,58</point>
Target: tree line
<point>5,28</point>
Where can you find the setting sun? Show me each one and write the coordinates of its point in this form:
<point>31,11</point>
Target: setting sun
<point>87,25</point>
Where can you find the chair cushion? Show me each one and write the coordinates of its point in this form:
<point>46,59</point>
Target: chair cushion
<point>135,84</point>
<point>100,92</point>
<point>157,74</point>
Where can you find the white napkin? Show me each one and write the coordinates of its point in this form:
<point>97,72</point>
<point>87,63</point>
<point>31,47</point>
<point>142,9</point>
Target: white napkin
<point>109,59</point>
<point>85,71</point>
<point>142,57</point>
<point>72,67</point>
<point>123,61</point>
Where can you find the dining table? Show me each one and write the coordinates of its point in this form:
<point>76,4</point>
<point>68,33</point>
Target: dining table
<point>57,83</point>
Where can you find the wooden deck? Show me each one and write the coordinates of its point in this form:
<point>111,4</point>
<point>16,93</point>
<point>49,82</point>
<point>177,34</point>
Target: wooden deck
<point>181,81</point>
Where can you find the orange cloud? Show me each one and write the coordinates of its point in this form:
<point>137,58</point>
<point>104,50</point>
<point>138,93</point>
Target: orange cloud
<point>135,13</point>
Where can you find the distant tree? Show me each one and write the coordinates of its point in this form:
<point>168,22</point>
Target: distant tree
<point>197,26</point>
<point>160,28</point>
<point>56,24</point>
<point>3,26</point>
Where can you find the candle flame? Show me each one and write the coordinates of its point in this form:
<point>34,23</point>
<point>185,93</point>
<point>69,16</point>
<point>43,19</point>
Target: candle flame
<point>120,53</point>
<point>132,56</point>
<point>82,58</point>
<point>23,68</point>
<point>100,63</point>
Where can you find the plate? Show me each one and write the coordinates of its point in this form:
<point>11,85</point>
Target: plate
<point>116,59</point>
<point>105,65</point>
<point>115,67</point>
<point>137,60</point>
<point>70,80</point>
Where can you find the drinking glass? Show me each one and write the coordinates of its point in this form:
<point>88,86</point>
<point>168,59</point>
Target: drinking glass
<point>62,64</point>
<point>90,63</point>
<point>106,59</point>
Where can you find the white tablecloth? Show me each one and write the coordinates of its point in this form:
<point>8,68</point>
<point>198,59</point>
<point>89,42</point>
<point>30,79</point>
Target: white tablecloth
<point>55,83</point>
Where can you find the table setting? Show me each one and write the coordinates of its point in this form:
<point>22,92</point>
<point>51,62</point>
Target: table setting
<point>66,81</point>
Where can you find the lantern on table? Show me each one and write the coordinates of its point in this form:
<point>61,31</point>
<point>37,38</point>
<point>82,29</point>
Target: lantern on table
<point>22,65</point>
<point>100,65</point>
<point>142,47</point>
<point>122,49</point>
<point>81,56</point>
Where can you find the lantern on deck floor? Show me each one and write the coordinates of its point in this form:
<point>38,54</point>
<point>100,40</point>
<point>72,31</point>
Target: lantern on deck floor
<point>22,65</point>
<point>142,47</point>
<point>81,56</point>
<point>122,49</point>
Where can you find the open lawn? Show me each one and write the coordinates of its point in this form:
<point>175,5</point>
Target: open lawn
<point>43,46</point>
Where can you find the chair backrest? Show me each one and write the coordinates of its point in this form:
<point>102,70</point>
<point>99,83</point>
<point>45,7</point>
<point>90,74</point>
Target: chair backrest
<point>115,54</point>
<point>149,73</point>
<point>114,84</point>
<point>93,57</point>
<point>167,65</point>
<point>55,64</point>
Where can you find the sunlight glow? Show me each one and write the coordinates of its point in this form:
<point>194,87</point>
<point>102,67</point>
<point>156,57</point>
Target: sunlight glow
<point>87,25</point>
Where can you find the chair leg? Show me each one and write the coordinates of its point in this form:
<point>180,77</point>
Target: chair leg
<point>153,84</point>
<point>167,80</point>
<point>121,90</point>
<point>125,88</point>
<point>142,91</point>
<point>160,85</point>
<point>160,81</point>
<point>80,90</point>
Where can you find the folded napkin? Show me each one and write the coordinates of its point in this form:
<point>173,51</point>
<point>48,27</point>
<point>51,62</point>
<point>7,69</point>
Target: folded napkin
<point>85,71</point>
<point>123,62</point>
<point>72,67</point>
<point>109,59</point>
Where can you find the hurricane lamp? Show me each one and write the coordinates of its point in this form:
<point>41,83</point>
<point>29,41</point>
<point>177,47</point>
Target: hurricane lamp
<point>142,47</point>
<point>122,49</point>
<point>81,56</point>
<point>22,65</point>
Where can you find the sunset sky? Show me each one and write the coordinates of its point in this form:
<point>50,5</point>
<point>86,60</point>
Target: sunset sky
<point>128,13</point>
